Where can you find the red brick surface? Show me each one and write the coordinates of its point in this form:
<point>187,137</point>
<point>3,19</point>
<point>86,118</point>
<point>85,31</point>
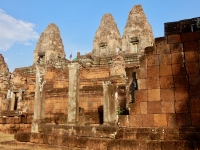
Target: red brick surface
<point>194,105</point>
<point>191,56</point>
<point>163,49</point>
<point>178,69</point>
<point>165,59</point>
<point>160,41</point>
<point>190,46</point>
<point>152,60</point>
<point>160,120</point>
<point>154,107</point>
<point>195,119</point>
<point>134,108</point>
<point>192,68</point>
<point>183,120</point>
<point>166,145</point>
<point>188,36</point>
<point>150,50</point>
<point>140,95</point>
<point>143,61</point>
<point>148,120</point>
<point>167,106</point>
<point>154,95</point>
<point>141,73</point>
<point>172,83</point>
<point>171,120</point>
<point>152,71</point>
<point>176,47</point>
<point>181,106</point>
<point>153,83</point>
<point>161,46</point>
<point>123,121</point>
<point>180,81</point>
<point>166,82</point>
<point>167,94</point>
<point>143,107</point>
<point>154,145</point>
<point>194,79</point>
<point>197,35</point>
<point>135,121</point>
<point>173,39</point>
<point>177,58</point>
<point>165,70</point>
<point>141,84</point>
<point>181,94</point>
<point>194,91</point>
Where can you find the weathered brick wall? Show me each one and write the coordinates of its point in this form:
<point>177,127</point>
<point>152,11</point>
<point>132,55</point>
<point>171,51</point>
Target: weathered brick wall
<point>169,80</point>
<point>91,91</point>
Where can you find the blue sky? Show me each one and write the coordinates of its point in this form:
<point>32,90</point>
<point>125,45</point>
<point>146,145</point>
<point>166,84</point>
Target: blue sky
<point>22,22</point>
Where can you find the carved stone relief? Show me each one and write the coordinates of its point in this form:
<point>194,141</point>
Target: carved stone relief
<point>118,67</point>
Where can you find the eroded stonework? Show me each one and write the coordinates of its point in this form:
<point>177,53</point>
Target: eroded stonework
<point>118,67</point>
<point>107,37</point>
<point>49,46</point>
<point>4,74</point>
<point>137,32</point>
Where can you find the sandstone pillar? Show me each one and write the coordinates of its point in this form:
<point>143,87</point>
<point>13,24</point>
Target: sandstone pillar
<point>128,95</point>
<point>8,94</point>
<point>12,103</point>
<point>73,99</point>
<point>39,102</point>
<point>110,97</point>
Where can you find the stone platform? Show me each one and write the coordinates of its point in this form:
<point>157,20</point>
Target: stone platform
<point>12,125</point>
<point>114,138</point>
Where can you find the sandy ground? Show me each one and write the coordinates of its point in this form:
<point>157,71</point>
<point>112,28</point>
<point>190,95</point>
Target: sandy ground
<point>7,142</point>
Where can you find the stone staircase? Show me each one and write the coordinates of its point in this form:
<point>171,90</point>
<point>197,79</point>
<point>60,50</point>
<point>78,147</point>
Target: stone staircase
<point>71,137</point>
<point>114,138</point>
<point>184,138</point>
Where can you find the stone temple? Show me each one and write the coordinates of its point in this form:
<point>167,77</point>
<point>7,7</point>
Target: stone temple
<point>130,92</point>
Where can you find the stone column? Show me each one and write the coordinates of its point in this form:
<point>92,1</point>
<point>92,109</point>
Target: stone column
<point>8,94</point>
<point>12,103</point>
<point>73,98</point>
<point>39,102</point>
<point>128,95</point>
<point>105,103</point>
<point>110,97</point>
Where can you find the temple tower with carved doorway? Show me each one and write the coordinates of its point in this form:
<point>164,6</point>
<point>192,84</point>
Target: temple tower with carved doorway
<point>137,33</point>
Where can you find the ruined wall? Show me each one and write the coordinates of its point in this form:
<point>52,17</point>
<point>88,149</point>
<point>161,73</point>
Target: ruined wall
<point>137,32</point>
<point>107,37</point>
<point>4,83</point>
<point>169,80</point>
<point>4,74</point>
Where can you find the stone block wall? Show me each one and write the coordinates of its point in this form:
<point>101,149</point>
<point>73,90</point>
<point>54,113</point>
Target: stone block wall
<point>57,89</point>
<point>168,81</point>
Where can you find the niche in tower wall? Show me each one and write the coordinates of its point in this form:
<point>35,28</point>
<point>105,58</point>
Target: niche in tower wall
<point>103,48</point>
<point>134,44</point>
<point>16,101</point>
<point>134,47</point>
<point>41,58</point>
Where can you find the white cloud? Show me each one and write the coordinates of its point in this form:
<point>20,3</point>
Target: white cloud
<point>15,31</point>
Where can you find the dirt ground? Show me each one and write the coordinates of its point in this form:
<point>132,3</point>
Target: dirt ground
<point>7,142</point>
